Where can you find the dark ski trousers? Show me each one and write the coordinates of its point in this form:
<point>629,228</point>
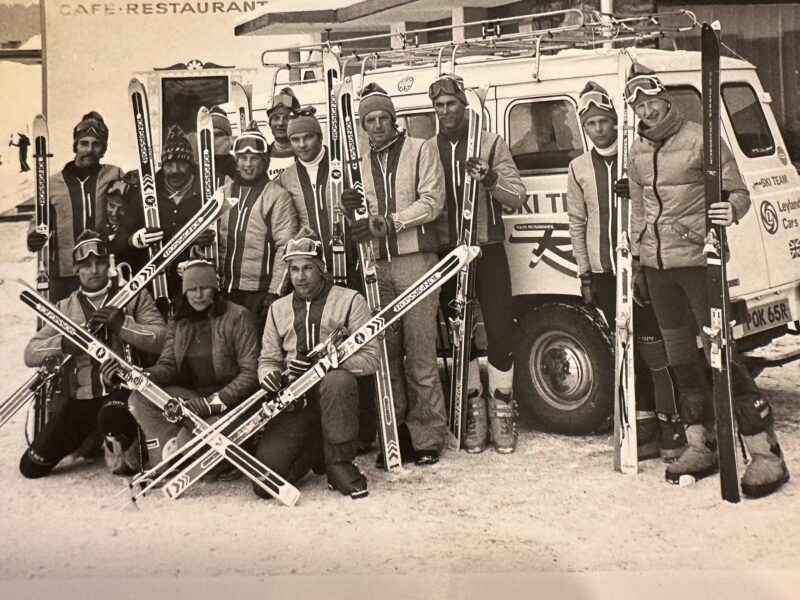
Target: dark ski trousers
<point>670,290</point>
<point>493,289</point>
<point>62,435</point>
<point>655,383</point>
<point>326,429</point>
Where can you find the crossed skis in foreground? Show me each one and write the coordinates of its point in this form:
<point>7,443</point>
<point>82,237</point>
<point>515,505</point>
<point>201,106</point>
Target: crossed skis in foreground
<point>227,445</point>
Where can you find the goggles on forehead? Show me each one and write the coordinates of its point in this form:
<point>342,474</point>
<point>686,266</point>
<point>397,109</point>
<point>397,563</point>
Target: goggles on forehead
<point>87,248</point>
<point>598,99</point>
<point>120,186</point>
<point>302,247</point>
<point>447,84</point>
<point>249,143</point>
<point>282,101</point>
<point>648,85</point>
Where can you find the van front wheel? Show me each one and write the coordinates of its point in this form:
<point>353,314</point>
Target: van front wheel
<point>564,371</point>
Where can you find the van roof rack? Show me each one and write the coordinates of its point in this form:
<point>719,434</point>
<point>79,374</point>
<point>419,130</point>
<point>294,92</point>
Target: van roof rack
<point>526,35</point>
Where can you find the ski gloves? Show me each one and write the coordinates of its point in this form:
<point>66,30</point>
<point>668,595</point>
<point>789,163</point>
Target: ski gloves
<point>145,236</point>
<point>299,364</point>
<point>622,188</point>
<point>36,241</point>
<point>272,382</point>
<point>205,407</point>
<point>481,171</point>
<point>641,295</point>
<point>588,293</point>
<point>110,316</point>
<point>363,230</point>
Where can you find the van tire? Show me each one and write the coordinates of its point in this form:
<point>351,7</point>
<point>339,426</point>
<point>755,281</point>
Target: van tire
<point>577,405</point>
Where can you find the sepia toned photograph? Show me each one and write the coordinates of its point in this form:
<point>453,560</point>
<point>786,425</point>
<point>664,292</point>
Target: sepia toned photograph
<point>464,299</point>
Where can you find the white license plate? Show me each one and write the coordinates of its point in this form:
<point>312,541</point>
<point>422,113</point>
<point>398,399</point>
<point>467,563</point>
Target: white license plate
<point>767,316</point>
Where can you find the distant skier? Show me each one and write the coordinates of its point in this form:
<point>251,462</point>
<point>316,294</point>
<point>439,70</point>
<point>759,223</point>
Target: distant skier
<point>668,228</point>
<point>23,141</point>
<point>322,427</point>
<point>593,228</point>
<point>91,402</point>
<point>404,188</point>
<point>500,186</point>
<point>77,202</point>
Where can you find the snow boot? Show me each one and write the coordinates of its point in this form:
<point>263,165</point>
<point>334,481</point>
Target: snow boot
<point>345,477</point>
<point>766,471</point>
<point>502,410</point>
<point>673,437</point>
<point>646,435</point>
<point>700,458</point>
<point>477,428</point>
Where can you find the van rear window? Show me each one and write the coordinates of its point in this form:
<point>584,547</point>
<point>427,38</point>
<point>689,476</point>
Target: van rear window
<point>748,120</point>
<point>544,136</point>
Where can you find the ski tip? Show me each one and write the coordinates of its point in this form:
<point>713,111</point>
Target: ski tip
<point>716,26</point>
<point>289,496</point>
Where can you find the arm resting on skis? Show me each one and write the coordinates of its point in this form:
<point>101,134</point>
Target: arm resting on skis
<point>637,207</point>
<point>366,360</point>
<point>145,328</point>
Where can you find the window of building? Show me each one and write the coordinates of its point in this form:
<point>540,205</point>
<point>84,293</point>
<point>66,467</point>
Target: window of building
<point>182,97</point>
<point>544,135</point>
<point>749,123</point>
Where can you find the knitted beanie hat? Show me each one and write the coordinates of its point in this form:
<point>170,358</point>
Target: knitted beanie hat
<point>304,121</point>
<point>594,101</point>
<point>177,146</point>
<point>199,273</point>
<point>374,97</point>
<point>284,99</point>
<point>91,123</point>
<point>219,118</point>
<point>305,244</point>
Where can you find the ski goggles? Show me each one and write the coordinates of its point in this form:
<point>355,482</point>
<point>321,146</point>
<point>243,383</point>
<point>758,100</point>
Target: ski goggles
<point>87,248</point>
<point>251,142</point>
<point>449,85</point>
<point>649,85</point>
<point>598,99</point>
<point>283,100</point>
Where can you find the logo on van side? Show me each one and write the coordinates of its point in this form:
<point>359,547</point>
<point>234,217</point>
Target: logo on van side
<point>405,84</point>
<point>782,156</point>
<point>769,218</point>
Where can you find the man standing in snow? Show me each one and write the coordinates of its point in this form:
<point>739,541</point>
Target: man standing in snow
<point>77,202</point>
<point>23,141</point>
<point>323,426</point>
<point>404,188</point>
<point>591,205</point>
<point>499,186</point>
<point>668,228</point>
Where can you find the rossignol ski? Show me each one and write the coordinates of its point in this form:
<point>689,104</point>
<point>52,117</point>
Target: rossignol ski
<point>715,250</point>
<point>208,179</point>
<point>175,410</point>
<point>430,281</point>
<point>384,397</point>
<point>332,75</point>
<point>41,145</point>
<point>241,103</point>
<point>147,182</point>
<point>626,457</point>
<point>461,323</point>
<point>172,249</point>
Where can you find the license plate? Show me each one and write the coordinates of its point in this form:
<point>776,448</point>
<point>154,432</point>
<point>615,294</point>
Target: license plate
<point>767,316</point>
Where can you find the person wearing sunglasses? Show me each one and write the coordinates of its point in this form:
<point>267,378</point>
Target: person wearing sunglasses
<point>91,401</point>
<point>668,231</point>
<point>404,189</point>
<point>77,202</point>
<point>592,209</point>
<point>252,235</point>
<point>281,153</point>
<point>319,431</point>
<point>500,187</point>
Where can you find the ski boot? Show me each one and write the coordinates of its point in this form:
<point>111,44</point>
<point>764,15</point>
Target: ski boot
<point>503,423</point>
<point>646,435</point>
<point>474,440</point>
<point>345,477</point>
<point>673,437</point>
<point>699,460</point>
<point>767,470</point>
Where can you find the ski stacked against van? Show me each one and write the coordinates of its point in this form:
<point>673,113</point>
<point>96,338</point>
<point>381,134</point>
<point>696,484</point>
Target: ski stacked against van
<point>241,104</point>
<point>626,456</point>
<point>332,76</point>
<point>716,250</point>
<point>147,182</point>
<point>208,178</point>
<point>387,425</point>
<point>41,146</point>
<point>461,323</point>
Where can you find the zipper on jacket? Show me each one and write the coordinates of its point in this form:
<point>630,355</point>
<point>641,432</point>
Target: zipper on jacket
<point>309,333</point>
<point>386,187</point>
<point>455,176</point>
<point>612,202</point>
<point>660,208</point>
<point>240,218</point>
<point>86,200</point>
<point>317,203</point>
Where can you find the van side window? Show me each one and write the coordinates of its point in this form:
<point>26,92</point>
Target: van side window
<point>748,120</point>
<point>544,136</point>
<point>687,100</point>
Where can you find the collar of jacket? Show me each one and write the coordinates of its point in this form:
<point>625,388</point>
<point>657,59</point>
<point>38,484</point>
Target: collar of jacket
<point>263,178</point>
<point>669,126</point>
<point>377,150</point>
<point>456,135</point>
<point>326,286</point>
<point>81,172</point>
<point>314,161</point>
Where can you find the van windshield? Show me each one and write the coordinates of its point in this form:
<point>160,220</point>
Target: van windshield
<point>544,135</point>
<point>748,120</point>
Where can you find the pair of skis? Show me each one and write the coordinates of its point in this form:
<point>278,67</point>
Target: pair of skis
<point>227,444</point>
<point>341,113</point>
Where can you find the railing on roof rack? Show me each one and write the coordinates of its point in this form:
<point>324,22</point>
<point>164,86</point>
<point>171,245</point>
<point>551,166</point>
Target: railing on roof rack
<point>535,34</point>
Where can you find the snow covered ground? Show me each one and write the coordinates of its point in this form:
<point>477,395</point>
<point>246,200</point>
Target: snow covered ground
<point>552,520</point>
